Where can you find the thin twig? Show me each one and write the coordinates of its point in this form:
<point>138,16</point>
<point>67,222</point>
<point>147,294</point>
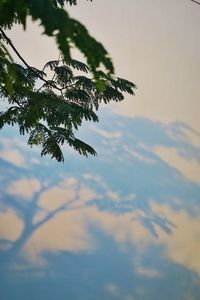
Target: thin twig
<point>195,1</point>
<point>25,63</point>
<point>6,91</point>
<point>54,69</point>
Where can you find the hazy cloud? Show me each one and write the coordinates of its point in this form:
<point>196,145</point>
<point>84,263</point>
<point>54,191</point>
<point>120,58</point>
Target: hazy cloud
<point>183,244</point>
<point>13,156</point>
<point>24,188</point>
<point>138,156</point>
<point>189,168</point>
<point>67,231</point>
<point>107,134</point>
<point>11,225</point>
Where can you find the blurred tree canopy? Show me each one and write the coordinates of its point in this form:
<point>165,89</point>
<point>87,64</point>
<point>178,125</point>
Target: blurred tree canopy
<point>50,104</point>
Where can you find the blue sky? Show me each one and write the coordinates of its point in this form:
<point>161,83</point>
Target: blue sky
<point>124,225</point>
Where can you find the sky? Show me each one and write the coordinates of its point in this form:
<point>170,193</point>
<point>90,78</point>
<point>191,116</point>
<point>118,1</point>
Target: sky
<point>124,225</point>
<point>153,43</point>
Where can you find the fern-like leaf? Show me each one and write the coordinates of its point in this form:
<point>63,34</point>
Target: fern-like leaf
<point>51,64</point>
<point>81,147</point>
<point>78,65</point>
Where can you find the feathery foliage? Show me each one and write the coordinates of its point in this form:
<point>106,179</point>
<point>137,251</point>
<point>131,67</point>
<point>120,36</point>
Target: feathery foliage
<point>51,108</point>
<point>56,22</point>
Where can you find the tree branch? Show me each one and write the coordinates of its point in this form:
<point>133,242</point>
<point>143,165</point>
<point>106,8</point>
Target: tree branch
<point>24,62</point>
<point>195,1</point>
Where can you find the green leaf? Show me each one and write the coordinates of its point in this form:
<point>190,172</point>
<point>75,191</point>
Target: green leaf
<point>82,147</point>
<point>78,65</point>
<point>50,107</point>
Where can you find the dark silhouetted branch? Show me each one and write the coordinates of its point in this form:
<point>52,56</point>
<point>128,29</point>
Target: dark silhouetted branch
<point>195,1</point>
<point>24,62</point>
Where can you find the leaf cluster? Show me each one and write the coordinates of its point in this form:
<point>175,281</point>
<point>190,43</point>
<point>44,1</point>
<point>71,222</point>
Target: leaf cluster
<point>62,2</point>
<point>51,108</point>
<point>56,22</point>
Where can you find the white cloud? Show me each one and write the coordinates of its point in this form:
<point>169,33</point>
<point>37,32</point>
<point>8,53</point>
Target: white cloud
<point>67,231</point>
<point>39,216</point>
<point>138,156</point>
<point>13,156</point>
<point>183,244</point>
<point>189,168</point>
<point>11,225</point>
<point>107,134</point>
<point>131,196</point>
<point>69,192</point>
<point>113,195</point>
<point>24,188</point>
<point>112,289</point>
<point>192,137</point>
<point>15,151</point>
<point>145,271</point>
<point>56,196</point>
